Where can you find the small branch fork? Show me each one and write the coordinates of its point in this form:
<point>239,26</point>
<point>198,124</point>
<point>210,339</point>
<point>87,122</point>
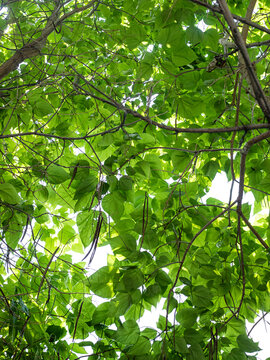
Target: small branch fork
<point>248,72</point>
<point>217,9</point>
<point>34,48</point>
<point>185,254</point>
<point>264,105</point>
<point>240,43</point>
<point>174,130</point>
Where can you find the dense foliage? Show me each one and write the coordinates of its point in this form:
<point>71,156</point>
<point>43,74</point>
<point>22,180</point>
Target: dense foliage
<point>116,116</point>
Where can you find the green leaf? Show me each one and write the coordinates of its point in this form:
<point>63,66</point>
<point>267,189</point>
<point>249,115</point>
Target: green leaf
<point>113,205</point>
<point>125,244</point>
<point>211,38</point>
<point>14,232</point>
<point>101,282</point>
<point>187,317</point>
<point>102,312</point>
<point>201,297</point>
<point>85,225</point>
<point>125,183</point>
<point>41,215</point>
<point>132,279</point>
<point>190,107</point>
<point>42,193</point>
<point>152,294</point>
<point>236,327</point>
<point>128,333</point>
<point>210,169</point>
<point>192,336</point>
<point>181,345</point>
<point>9,194</point>
<point>195,353</point>
<point>180,160</point>
<point>194,35</point>
<point>123,302</point>
<point>56,174</point>
<point>77,349</point>
<point>143,167</point>
<point>86,186</point>
<point>247,345</point>
<point>66,234</point>
<point>149,333</point>
<point>163,279</point>
<point>236,354</point>
<point>183,56</point>
<point>43,108</point>
<point>3,24</point>
<point>133,35</point>
<point>141,347</point>
<point>55,332</point>
<point>161,324</point>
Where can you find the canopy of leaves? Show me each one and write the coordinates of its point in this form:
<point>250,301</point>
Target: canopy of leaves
<point>115,118</point>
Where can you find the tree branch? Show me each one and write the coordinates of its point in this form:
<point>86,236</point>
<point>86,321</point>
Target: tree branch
<point>240,43</point>
<point>258,236</point>
<point>186,252</point>
<point>33,48</point>
<point>217,9</point>
<point>248,16</point>
<point>162,126</point>
<point>245,151</point>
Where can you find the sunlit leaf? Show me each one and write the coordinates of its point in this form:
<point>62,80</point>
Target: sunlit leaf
<point>187,317</point>
<point>128,333</point>
<point>56,174</point>
<point>113,205</point>
<point>9,194</point>
<point>85,226</point>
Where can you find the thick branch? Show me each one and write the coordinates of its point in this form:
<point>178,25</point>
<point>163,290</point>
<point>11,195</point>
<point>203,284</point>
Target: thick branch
<point>162,126</point>
<point>236,17</point>
<point>134,113</point>
<point>240,43</point>
<point>34,47</point>
<point>249,13</point>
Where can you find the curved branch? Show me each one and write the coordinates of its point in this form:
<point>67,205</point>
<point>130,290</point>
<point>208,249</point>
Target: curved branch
<point>147,119</point>
<point>34,48</point>
<point>186,252</point>
<point>245,151</point>
<point>161,126</point>
<point>240,43</point>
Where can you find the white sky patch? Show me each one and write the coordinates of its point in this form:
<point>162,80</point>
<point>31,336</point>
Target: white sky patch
<point>220,190</point>
<point>261,334</point>
<point>150,318</point>
<point>202,25</point>
<point>100,259</point>
<point>78,150</point>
